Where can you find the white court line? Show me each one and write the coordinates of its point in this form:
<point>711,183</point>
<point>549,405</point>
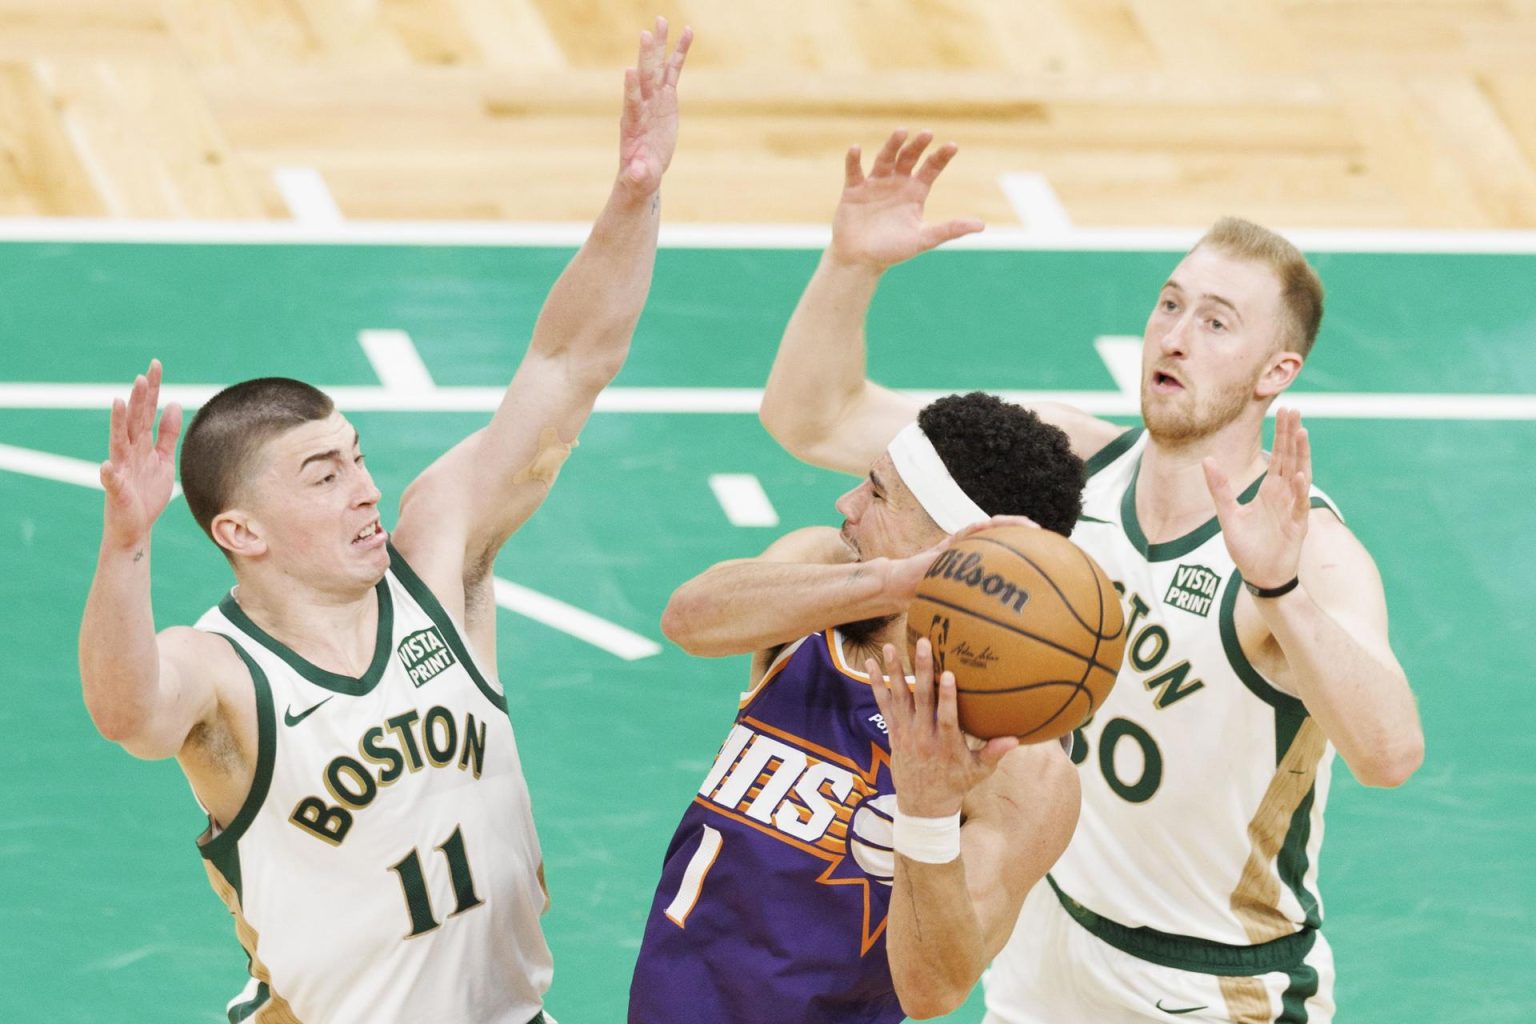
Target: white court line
<point>1122,356</point>
<point>395,360</point>
<point>60,468</point>
<point>742,497</point>
<point>582,625</point>
<point>721,236</point>
<point>1342,405</point>
<point>1036,202</point>
<point>307,196</point>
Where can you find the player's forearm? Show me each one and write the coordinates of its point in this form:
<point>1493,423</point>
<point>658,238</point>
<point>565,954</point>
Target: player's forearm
<point>1361,700</point>
<point>591,312</point>
<point>933,940</point>
<point>820,368</point>
<point>119,656</point>
<point>746,606</point>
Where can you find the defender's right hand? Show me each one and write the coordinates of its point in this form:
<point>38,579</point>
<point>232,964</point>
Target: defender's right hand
<point>879,220</point>
<point>140,471</point>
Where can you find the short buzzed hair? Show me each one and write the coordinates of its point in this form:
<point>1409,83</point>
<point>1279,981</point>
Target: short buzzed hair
<point>1301,290</point>
<point>230,429</point>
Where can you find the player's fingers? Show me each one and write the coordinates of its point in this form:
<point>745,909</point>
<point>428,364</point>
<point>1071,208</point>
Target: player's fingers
<point>885,160</point>
<point>135,412</point>
<point>948,710</point>
<point>117,430</point>
<point>912,152</point>
<point>936,162</point>
<point>170,430</point>
<point>632,93</point>
<point>1216,482</point>
<point>646,64</point>
<point>853,167</point>
<point>679,55</point>
<point>938,234</point>
<point>922,666</point>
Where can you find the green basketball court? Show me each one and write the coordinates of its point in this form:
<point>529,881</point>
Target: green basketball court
<point>1430,889</point>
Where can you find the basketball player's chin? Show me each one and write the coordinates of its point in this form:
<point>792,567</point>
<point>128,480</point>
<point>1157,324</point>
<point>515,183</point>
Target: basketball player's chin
<point>867,634</point>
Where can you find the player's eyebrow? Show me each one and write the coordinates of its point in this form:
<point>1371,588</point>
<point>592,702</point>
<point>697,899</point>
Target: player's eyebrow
<point>331,454</point>
<point>1207,297</point>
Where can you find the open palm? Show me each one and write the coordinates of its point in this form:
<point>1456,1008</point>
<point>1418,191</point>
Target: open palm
<point>879,220</point>
<point>648,126</point>
<point>1264,536</point>
<point>140,472</point>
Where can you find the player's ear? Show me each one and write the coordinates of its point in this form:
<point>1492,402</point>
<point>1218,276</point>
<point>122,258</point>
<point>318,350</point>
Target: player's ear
<point>239,533</point>
<point>1279,373</point>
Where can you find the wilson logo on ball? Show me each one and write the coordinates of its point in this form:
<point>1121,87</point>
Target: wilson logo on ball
<point>967,567</point>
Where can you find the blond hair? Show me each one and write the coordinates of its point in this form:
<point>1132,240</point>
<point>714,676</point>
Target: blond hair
<point>1301,291</point>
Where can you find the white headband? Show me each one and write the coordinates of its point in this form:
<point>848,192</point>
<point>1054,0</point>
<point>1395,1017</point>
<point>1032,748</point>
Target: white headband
<point>929,481</point>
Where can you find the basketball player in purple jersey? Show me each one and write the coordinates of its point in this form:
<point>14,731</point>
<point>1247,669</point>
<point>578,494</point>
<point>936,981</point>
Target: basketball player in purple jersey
<point>850,857</point>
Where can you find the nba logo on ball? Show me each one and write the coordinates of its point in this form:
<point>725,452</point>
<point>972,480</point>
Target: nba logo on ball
<point>1030,626</point>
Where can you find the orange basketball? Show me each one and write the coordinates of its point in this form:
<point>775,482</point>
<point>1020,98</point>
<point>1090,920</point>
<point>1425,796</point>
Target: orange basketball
<point>1030,626</point>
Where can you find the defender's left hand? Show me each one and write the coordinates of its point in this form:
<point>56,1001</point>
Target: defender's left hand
<point>648,127</point>
<point>1264,536</point>
<point>932,765</point>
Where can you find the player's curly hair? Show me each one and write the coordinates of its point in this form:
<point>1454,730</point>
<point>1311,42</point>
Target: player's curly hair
<point>1006,458</point>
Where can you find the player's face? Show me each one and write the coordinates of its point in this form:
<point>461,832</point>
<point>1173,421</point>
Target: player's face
<point>882,519</point>
<point>315,506</point>
<point>1216,324</point>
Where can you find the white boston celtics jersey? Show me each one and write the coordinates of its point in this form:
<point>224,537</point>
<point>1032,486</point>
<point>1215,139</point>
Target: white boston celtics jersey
<point>1203,785</point>
<point>385,866</point>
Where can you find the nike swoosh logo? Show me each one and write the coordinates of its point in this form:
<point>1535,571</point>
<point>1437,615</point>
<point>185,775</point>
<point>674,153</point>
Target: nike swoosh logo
<point>289,718</point>
<point>1187,1009</point>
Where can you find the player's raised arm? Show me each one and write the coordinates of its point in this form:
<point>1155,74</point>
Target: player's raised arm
<point>819,404</point>
<point>137,687</point>
<point>1331,622</point>
<point>959,884</point>
<point>458,513</point>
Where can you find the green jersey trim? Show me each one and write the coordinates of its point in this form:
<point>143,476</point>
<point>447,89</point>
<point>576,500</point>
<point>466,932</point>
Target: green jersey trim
<point>1186,953</point>
<point>1110,452</point>
<point>334,681</point>
<point>246,1010</point>
<point>1261,687</point>
<point>1179,546</point>
<point>444,622</point>
<point>223,849</point>
<point>1293,1002</point>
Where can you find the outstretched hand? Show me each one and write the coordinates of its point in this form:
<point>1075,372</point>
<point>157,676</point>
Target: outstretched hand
<point>932,765</point>
<point>140,471</point>
<point>1264,537</point>
<point>648,126</point>
<point>879,220</point>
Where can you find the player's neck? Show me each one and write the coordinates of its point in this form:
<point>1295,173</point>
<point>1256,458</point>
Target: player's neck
<point>1172,497</point>
<point>336,631</point>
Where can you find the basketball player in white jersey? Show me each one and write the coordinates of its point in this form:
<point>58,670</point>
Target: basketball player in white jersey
<point>338,714</point>
<point>1257,628</point>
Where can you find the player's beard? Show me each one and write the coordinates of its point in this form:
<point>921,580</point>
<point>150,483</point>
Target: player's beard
<point>1186,419</point>
<point>865,633</point>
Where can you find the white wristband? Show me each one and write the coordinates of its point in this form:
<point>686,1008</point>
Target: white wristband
<point>928,840</point>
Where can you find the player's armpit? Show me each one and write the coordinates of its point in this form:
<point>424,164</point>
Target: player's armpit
<point>1017,824</point>
<point>196,670</point>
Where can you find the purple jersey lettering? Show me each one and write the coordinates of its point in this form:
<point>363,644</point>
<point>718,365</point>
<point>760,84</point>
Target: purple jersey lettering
<point>773,895</point>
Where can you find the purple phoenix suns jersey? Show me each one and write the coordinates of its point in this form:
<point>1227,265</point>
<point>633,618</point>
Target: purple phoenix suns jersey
<point>773,896</point>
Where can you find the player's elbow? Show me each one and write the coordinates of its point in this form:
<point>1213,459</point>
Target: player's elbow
<point>1393,766</point>
<point>788,423</point>
<point>685,623</point>
<point>931,998</point>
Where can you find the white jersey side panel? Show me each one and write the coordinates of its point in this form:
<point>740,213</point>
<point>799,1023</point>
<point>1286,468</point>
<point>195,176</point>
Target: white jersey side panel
<point>385,866</point>
<point>1203,786</point>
